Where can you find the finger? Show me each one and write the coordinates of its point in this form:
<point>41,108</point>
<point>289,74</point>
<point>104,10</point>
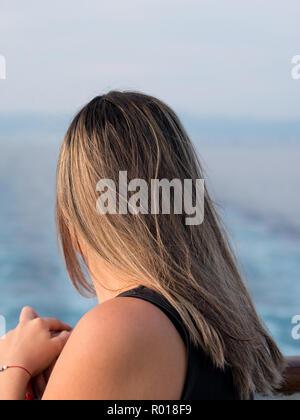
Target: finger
<point>56,325</point>
<point>28,314</point>
<point>48,371</point>
<point>61,340</point>
<point>30,389</point>
<point>39,385</point>
<point>55,333</point>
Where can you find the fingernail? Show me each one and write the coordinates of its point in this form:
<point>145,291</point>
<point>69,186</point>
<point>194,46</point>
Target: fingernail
<point>29,396</point>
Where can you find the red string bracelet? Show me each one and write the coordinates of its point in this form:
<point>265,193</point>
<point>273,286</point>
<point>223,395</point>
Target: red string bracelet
<point>3,368</point>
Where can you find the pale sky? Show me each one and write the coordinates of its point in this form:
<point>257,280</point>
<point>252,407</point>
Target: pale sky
<point>227,58</point>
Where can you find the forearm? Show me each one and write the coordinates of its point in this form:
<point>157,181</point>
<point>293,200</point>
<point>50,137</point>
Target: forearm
<point>13,384</point>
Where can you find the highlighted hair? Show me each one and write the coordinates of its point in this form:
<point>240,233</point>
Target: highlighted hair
<point>192,266</point>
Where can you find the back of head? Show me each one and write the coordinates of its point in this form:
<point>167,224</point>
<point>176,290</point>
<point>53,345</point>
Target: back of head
<point>191,265</point>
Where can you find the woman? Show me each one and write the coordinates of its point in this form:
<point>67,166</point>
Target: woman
<point>175,320</point>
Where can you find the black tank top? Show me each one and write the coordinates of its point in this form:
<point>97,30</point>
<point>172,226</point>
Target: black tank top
<point>203,380</point>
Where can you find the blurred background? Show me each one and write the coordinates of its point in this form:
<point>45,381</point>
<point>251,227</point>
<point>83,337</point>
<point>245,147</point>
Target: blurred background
<point>224,66</point>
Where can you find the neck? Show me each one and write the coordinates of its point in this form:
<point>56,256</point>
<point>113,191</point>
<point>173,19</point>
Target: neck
<point>108,282</point>
<point>104,293</point>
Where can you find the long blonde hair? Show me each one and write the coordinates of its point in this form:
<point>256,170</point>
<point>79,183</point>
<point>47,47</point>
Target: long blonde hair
<point>191,266</point>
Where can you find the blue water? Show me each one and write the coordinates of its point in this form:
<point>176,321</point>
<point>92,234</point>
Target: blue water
<point>270,264</point>
<point>32,271</point>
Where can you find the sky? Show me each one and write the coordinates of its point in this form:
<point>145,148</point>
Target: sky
<point>214,58</point>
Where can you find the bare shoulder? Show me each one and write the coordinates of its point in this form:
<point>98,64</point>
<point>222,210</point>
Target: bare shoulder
<point>127,313</point>
<point>125,348</point>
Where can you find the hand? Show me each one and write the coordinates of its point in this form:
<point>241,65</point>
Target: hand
<point>32,344</point>
<point>39,382</point>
